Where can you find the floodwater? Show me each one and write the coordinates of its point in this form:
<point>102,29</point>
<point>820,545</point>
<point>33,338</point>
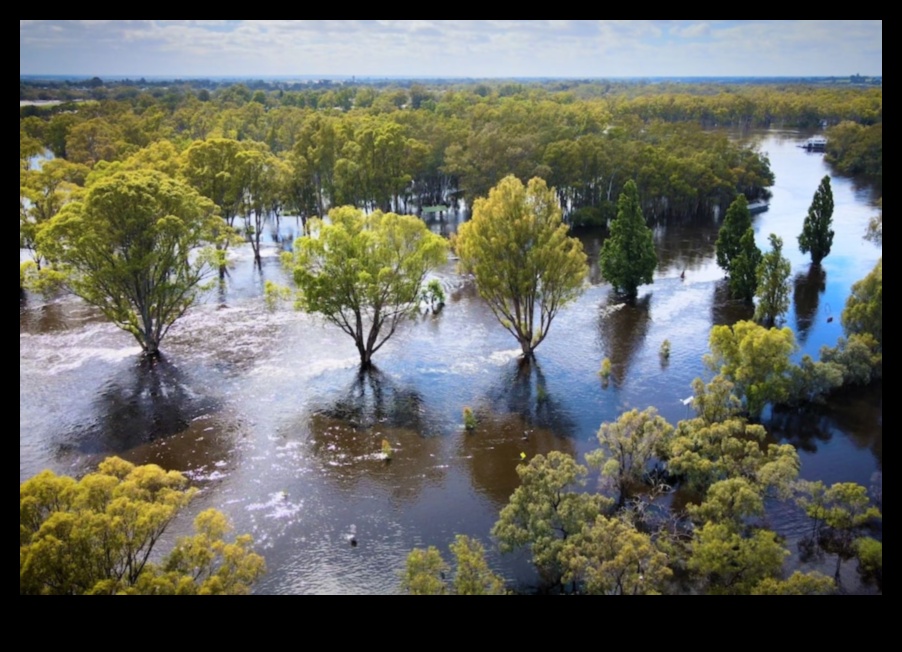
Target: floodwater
<point>266,412</point>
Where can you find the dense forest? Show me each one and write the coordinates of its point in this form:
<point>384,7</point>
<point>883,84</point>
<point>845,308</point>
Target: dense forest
<point>227,157</point>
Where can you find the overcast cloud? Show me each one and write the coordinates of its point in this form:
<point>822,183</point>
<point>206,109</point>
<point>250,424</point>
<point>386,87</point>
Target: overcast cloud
<point>451,48</point>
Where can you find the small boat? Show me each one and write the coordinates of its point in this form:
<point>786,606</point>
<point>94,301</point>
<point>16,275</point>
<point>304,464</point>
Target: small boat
<point>758,206</point>
<point>815,144</point>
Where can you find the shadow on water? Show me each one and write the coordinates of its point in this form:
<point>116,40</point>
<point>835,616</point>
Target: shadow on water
<point>142,404</point>
<point>622,328</point>
<point>725,310</point>
<point>347,435</point>
<point>852,417</point>
<point>809,286</point>
<point>519,418</point>
<point>523,390</point>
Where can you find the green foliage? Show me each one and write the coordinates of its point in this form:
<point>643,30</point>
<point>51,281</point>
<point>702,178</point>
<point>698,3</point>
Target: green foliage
<point>470,421</point>
<point>864,307</point>
<point>729,563</point>
<point>736,223</point>
<point>611,557</point>
<point>387,450</point>
<point>817,236</point>
<point>628,257</point>
<point>773,283</point>
<point>875,225</point>
<point>605,370</point>
<point>627,446</point>
<point>856,148</point>
<point>798,583</point>
<point>838,513</point>
<point>706,453</point>
<point>731,501</point>
<point>859,358</point>
<point>42,193</point>
<point>811,381</point>
<point>715,401</point>
<point>524,263</point>
<point>97,535</point>
<point>433,295</point>
<point>130,247</point>
<point>664,351</point>
<point>744,268</point>
<point>424,572</point>
<point>545,510</point>
<point>364,273</point>
<point>472,575</point>
<point>755,359</point>
<point>274,293</point>
<point>870,556</point>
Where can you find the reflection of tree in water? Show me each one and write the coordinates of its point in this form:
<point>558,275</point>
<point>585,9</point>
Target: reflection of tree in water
<point>856,412</point>
<point>149,413</point>
<point>346,436</point>
<point>519,415</point>
<point>622,328</point>
<point>592,239</point>
<point>684,244</point>
<point>725,310</point>
<point>806,296</point>
<point>523,390</point>
<point>373,399</point>
<point>493,450</point>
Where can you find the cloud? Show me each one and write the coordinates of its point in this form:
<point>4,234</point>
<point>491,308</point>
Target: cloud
<point>569,48</point>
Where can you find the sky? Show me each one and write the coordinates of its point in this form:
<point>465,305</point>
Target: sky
<point>451,48</point>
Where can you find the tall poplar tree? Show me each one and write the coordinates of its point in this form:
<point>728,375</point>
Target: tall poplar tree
<point>736,222</point>
<point>817,236</point>
<point>773,283</point>
<point>628,257</point>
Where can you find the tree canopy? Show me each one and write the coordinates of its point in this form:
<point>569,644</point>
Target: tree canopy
<point>744,268</point>
<point>365,273</point>
<point>736,222</point>
<point>817,236</point>
<point>628,257</point>
<point>97,535</point>
<point>130,247</point>
<point>773,283</point>
<point>863,312</point>
<point>526,267</point>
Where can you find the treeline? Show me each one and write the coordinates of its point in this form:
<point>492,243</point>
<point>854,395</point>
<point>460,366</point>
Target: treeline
<point>405,148</point>
<point>722,469</point>
<point>854,148</point>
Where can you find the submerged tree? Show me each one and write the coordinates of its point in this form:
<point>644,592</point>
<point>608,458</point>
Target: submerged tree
<point>773,283</point>
<point>863,312</point>
<point>817,236</point>
<point>425,571</point>
<point>364,273</point>
<point>628,257</point>
<point>132,248</point>
<point>546,510</point>
<point>627,445</point>
<point>526,267</point>
<point>736,222</point>
<point>744,268</point>
<point>97,535</point>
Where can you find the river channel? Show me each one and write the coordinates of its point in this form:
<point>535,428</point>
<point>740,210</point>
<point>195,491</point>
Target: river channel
<point>266,412</point>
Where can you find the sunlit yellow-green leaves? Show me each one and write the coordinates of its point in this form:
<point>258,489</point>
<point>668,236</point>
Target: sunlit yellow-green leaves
<point>97,535</point>
<point>365,273</point>
<point>526,266</point>
<point>131,247</point>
